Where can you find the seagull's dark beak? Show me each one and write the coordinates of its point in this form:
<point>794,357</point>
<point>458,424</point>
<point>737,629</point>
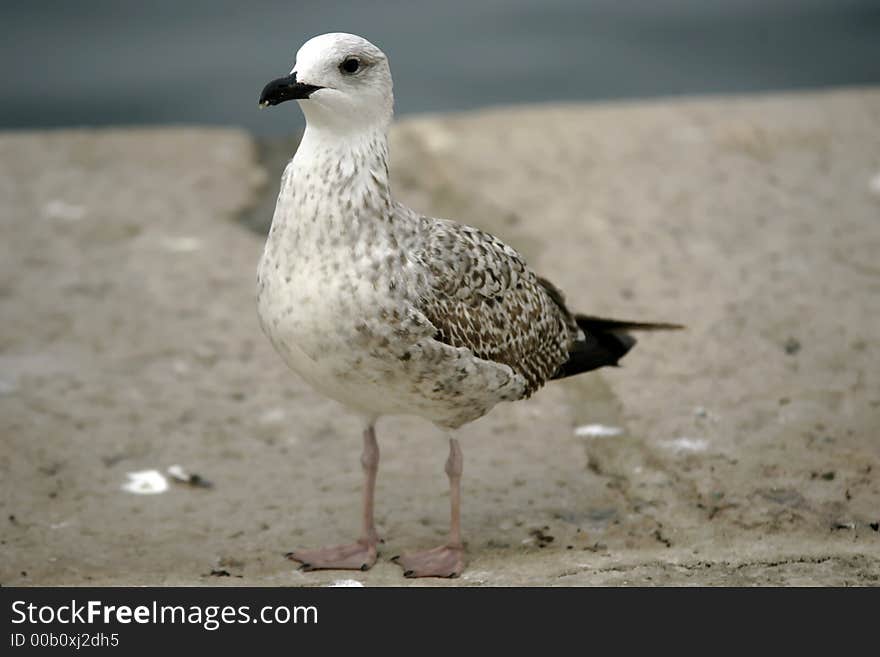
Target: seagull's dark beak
<point>286,88</point>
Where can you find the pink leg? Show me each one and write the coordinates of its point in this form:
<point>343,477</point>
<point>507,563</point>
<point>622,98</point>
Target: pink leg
<point>446,560</point>
<point>362,554</point>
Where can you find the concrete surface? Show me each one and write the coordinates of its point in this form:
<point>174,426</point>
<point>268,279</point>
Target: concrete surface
<point>750,451</point>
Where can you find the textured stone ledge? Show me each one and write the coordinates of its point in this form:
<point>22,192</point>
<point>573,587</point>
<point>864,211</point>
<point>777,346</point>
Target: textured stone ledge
<point>748,455</point>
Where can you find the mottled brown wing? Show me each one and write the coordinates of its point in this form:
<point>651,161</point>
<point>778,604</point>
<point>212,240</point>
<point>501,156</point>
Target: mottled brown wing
<point>484,297</point>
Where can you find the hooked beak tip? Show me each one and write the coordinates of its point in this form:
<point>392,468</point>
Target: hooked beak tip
<point>284,89</point>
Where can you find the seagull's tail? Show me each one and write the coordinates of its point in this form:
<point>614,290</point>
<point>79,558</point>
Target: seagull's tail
<point>589,323</point>
<point>605,342</point>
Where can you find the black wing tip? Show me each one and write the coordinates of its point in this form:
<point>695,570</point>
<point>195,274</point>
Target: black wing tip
<point>599,349</point>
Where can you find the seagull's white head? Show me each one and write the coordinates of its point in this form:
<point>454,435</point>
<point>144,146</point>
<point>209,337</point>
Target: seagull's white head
<point>341,81</point>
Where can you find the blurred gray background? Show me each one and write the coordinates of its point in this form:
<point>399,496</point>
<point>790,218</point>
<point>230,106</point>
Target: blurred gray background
<point>105,62</point>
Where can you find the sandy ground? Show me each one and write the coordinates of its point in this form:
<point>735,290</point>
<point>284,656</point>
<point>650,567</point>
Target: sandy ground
<point>749,449</point>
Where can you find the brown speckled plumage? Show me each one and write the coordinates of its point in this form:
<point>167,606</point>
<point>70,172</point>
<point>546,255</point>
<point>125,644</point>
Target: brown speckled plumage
<point>482,296</point>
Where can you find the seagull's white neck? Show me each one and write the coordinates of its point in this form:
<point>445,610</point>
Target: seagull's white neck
<point>335,194</point>
<point>350,169</point>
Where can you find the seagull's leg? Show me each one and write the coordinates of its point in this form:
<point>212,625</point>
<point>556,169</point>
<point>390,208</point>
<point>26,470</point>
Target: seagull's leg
<point>446,560</point>
<point>362,554</point>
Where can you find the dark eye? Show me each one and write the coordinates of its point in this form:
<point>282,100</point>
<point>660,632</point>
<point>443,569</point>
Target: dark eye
<point>350,65</point>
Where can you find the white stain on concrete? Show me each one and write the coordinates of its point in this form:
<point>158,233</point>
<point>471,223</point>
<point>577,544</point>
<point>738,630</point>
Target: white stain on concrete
<point>145,482</point>
<point>597,431</point>
<point>345,583</point>
<point>684,444</point>
<point>63,211</point>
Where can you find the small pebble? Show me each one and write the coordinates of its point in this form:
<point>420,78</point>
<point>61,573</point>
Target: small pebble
<point>792,346</point>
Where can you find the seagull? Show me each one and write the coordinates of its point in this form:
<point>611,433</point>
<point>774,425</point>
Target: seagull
<point>392,312</point>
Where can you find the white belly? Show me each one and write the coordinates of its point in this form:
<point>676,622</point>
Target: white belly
<point>373,367</point>
<point>323,321</point>
<point>339,323</point>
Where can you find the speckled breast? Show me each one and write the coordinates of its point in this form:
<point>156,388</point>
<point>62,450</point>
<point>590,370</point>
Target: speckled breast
<point>308,317</point>
<point>329,315</point>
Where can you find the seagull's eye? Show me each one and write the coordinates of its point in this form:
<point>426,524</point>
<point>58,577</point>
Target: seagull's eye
<point>350,65</point>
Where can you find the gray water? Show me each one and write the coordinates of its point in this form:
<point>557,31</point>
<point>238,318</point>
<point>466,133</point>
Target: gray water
<point>102,62</point>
